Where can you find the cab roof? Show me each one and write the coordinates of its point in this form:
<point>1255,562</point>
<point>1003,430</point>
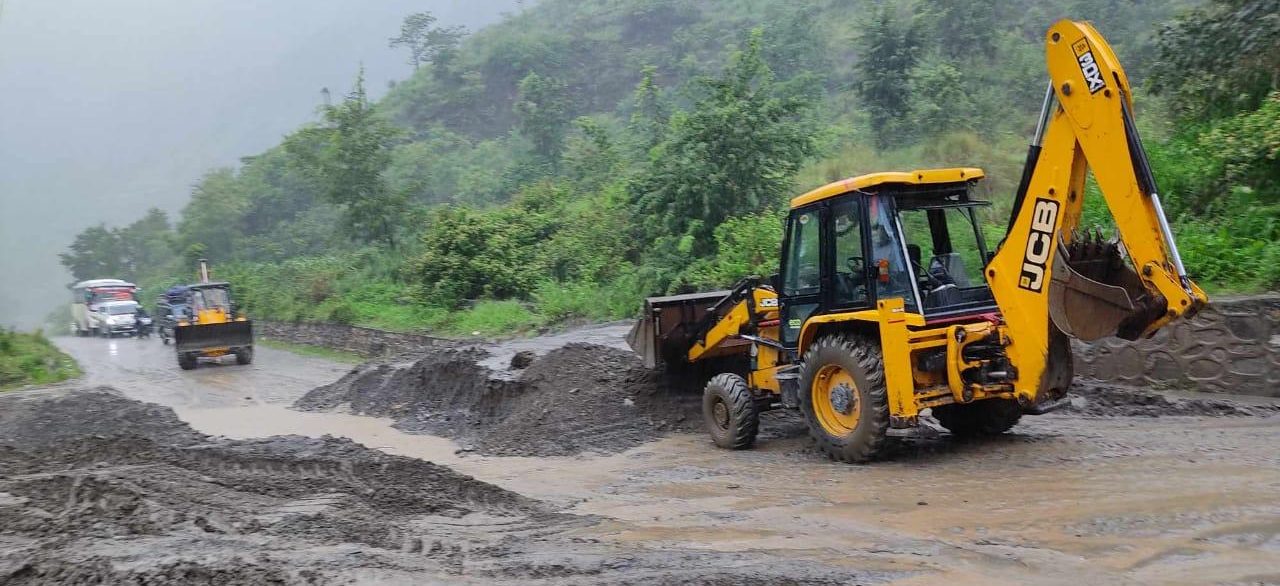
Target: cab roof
<point>872,180</point>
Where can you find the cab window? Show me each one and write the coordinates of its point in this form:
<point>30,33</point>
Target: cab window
<point>850,265</point>
<point>888,261</point>
<point>803,271</point>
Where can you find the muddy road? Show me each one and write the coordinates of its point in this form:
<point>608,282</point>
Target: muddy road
<point>1171,492</point>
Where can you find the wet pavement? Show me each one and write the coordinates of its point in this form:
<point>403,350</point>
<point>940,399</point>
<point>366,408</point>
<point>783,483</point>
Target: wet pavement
<point>1062,499</point>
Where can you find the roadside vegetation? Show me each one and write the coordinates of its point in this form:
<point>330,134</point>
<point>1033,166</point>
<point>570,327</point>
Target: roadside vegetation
<point>567,162</point>
<point>30,359</point>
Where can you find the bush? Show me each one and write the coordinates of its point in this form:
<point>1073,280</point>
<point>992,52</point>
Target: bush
<point>27,359</point>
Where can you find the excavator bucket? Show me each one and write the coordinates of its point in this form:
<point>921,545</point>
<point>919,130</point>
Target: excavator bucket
<point>669,326</point>
<point>198,337</point>
<point>1094,293</point>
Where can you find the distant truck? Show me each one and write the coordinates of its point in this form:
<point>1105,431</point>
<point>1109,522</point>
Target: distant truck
<point>88,296</point>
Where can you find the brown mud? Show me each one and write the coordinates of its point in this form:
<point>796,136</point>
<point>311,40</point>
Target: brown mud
<point>1101,493</point>
<point>590,398</point>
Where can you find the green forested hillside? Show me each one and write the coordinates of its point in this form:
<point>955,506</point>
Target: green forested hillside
<point>579,155</point>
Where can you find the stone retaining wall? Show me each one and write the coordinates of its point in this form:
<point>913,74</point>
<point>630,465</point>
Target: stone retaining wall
<point>367,342</point>
<point>1232,346</point>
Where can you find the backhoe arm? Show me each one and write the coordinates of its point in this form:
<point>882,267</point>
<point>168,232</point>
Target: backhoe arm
<point>1048,278</point>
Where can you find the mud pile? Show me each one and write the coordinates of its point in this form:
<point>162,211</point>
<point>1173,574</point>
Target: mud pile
<point>96,488</point>
<point>576,398</point>
<point>1100,399</point>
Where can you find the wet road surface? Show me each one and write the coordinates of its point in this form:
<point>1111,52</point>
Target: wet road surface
<point>1062,499</point>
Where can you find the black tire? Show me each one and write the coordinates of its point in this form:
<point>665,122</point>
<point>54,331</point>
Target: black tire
<point>983,418</point>
<point>188,361</point>
<point>244,355</point>
<point>730,412</point>
<point>862,360</point>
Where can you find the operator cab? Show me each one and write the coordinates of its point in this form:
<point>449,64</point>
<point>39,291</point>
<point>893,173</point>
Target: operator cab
<point>910,235</point>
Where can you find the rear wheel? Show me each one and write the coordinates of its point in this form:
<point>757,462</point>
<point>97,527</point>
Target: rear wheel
<point>730,412</point>
<point>843,398</point>
<point>988,417</point>
<point>187,361</point>
<point>244,355</point>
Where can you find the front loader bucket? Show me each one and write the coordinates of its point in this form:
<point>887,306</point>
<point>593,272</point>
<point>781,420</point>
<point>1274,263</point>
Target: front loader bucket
<point>196,337</point>
<point>669,326</point>
<point>1094,293</point>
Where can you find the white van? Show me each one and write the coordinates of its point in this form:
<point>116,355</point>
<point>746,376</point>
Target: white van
<point>86,296</point>
<point>114,318</point>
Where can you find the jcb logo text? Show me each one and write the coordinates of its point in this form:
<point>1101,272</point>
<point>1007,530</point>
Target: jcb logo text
<point>1043,219</point>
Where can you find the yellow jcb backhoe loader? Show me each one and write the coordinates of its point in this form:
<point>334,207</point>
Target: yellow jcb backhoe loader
<point>890,303</point>
<point>211,326</point>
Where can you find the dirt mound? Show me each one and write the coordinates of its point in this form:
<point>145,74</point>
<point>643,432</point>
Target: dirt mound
<point>1098,399</point>
<point>576,398</point>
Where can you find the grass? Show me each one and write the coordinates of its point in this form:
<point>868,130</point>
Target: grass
<point>30,359</point>
<point>314,351</point>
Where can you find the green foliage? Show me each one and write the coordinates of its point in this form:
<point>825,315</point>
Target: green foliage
<point>745,245</point>
<point>470,254</point>
<point>542,112</point>
<point>1220,59</point>
<point>493,318</point>
<point>736,152</point>
<point>126,253</point>
<point>427,43</point>
<point>347,156</point>
<point>891,46</point>
<point>1236,245</point>
<point>564,163</point>
<point>31,359</point>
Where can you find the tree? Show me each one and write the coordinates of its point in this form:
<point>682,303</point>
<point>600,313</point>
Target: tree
<point>649,114</point>
<point>94,254</point>
<point>543,111</point>
<point>347,155</point>
<point>1220,59</point>
<point>890,49</point>
<point>213,216</point>
<point>734,153</point>
<point>427,43</point>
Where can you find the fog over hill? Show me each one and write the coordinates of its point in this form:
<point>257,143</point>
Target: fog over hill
<point>108,108</point>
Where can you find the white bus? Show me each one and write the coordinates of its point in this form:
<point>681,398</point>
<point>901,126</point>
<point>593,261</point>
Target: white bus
<point>87,295</point>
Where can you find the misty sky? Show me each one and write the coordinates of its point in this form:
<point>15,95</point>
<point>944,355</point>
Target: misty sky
<point>108,107</point>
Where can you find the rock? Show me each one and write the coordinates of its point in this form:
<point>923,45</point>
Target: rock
<point>523,359</point>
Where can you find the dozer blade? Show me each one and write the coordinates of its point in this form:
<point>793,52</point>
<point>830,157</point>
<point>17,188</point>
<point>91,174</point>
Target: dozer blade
<point>669,326</point>
<point>195,337</point>
<point>1094,293</point>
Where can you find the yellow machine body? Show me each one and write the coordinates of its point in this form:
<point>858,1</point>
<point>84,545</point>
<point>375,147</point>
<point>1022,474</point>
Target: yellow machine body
<point>1047,282</point>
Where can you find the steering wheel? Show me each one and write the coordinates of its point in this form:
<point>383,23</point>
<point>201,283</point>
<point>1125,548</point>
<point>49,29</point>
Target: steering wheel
<point>938,271</point>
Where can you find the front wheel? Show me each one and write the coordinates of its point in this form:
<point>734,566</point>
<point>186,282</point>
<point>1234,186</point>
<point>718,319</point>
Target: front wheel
<point>244,355</point>
<point>730,412</point>
<point>187,361</point>
<point>844,399</point>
